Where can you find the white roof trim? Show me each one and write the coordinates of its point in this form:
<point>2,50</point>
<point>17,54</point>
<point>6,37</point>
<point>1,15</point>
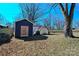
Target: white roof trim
<point>24,19</point>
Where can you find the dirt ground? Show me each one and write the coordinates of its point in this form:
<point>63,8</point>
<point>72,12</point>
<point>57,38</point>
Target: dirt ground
<point>55,45</point>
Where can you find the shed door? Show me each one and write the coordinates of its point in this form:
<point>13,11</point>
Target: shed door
<point>24,31</point>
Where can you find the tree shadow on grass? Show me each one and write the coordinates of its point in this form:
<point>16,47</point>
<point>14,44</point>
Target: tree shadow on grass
<point>34,38</point>
<point>52,34</point>
<point>75,37</point>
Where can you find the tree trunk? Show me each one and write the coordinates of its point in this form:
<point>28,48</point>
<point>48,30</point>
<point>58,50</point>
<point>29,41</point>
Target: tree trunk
<point>48,32</point>
<point>68,19</point>
<point>68,27</point>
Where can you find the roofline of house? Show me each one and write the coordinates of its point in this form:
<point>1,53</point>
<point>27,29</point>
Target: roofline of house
<point>40,26</point>
<point>2,25</point>
<point>24,19</point>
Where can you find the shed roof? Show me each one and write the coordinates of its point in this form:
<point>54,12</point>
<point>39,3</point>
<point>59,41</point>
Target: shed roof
<point>24,20</point>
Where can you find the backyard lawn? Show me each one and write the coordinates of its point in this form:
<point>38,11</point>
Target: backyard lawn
<point>55,45</point>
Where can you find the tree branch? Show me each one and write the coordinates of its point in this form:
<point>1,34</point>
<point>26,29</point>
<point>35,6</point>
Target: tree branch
<point>66,8</point>
<point>62,8</point>
<point>72,10</point>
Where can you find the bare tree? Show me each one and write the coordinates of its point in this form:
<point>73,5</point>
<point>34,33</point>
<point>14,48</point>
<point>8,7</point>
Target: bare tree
<point>31,11</point>
<point>47,25</point>
<point>59,24</point>
<point>68,18</point>
<point>2,19</point>
<point>9,24</point>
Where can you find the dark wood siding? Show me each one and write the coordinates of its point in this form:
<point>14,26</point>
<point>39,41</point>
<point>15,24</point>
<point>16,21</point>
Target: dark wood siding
<point>18,25</point>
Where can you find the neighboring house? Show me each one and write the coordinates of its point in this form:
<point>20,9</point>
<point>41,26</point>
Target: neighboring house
<point>42,29</point>
<point>1,26</point>
<point>23,28</point>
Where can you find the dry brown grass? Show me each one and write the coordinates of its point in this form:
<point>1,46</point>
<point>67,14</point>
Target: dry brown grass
<point>55,45</point>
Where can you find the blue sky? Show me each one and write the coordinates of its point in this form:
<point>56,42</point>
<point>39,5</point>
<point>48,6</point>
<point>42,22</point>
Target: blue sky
<point>11,10</point>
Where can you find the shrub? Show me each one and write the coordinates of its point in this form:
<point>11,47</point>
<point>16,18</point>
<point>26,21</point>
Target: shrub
<point>37,33</point>
<point>5,35</point>
<point>7,31</point>
<point>4,38</point>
